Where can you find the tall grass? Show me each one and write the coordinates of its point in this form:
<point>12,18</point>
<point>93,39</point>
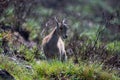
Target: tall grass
<point>54,69</point>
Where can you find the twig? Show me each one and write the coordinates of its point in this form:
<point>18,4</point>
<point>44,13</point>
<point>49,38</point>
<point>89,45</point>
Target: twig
<point>98,35</point>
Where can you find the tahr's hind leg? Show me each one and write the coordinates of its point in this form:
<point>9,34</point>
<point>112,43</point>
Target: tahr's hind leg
<point>64,57</point>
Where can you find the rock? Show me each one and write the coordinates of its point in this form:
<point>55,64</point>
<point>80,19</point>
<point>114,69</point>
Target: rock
<point>4,75</point>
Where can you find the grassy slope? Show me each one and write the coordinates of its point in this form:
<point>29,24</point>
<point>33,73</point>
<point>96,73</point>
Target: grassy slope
<point>43,70</point>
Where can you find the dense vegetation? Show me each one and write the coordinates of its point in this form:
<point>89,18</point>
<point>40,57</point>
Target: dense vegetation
<point>93,45</point>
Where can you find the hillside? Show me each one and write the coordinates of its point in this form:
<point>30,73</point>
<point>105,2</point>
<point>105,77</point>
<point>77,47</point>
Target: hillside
<point>92,46</point>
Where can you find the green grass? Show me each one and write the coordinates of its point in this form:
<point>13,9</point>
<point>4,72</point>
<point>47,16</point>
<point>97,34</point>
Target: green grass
<point>69,70</point>
<point>114,46</point>
<point>17,70</point>
<point>46,70</point>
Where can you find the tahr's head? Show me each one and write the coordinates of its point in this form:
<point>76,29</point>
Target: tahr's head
<point>62,28</point>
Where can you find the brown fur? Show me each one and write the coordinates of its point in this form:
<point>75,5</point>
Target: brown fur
<point>53,45</point>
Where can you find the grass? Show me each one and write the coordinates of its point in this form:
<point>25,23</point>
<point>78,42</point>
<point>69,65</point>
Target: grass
<point>114,46</point>
<point>17,70</point>
<point>69,70</point>
<point>46,70</point>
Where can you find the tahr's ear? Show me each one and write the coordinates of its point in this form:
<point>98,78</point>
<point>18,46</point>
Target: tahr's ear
<point>56,22</point>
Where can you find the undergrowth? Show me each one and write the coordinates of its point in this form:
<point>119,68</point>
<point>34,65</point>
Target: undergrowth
<point>47,70</point>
